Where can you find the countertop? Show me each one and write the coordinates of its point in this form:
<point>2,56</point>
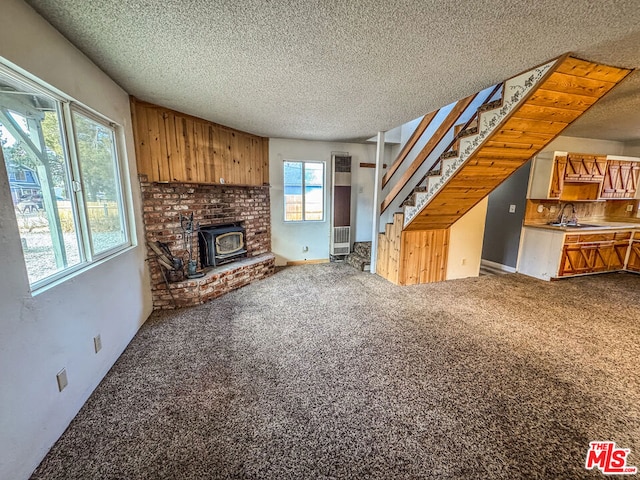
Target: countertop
<point>594,226</point>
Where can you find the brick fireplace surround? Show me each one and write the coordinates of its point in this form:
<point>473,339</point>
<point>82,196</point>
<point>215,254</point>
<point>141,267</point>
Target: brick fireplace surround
<point>211,205</point>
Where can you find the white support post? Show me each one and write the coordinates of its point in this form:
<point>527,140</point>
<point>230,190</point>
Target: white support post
<point>377,194</point>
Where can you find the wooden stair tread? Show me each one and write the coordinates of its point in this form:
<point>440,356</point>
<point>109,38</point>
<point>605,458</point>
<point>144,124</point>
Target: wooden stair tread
<point>490,105</point>
<point>468,132</point>
<point>449,154</point>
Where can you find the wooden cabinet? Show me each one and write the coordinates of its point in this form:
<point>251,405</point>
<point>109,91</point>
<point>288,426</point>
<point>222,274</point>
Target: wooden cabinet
<point>619,253</point>
<point>576,176</point>
<point>582,167</point>
<point>633,264</point>
<point>620,179</point>
<point>589,253</point>
<point>175,147</point>
<point>557,176</point>
<point>548,253</point>
<point>577,168</point>
<point>593,253</point>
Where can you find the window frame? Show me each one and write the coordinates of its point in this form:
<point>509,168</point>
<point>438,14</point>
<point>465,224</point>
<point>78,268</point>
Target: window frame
<point>303,192</point>
<point>119,177</point>
<point>65,107</point>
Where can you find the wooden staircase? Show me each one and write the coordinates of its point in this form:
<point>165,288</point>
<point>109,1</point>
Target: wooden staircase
<point>536,106</point>
<point>543,103</point>
<point>412,257</point>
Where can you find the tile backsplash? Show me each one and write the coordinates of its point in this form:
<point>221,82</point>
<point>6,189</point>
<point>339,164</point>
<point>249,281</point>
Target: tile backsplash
<point>603,210</point>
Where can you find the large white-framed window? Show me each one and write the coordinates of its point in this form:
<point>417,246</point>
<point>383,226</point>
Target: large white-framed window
<point>65,177</point>
<point>304,191</point>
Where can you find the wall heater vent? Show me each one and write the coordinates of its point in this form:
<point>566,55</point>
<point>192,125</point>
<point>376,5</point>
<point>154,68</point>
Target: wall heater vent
<point>341,241</point>
<point>341,204</point>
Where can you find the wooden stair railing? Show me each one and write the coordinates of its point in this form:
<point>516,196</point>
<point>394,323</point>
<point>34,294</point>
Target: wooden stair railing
<point>433,142</point>
<point>413,139</point>
<point>443,130</point>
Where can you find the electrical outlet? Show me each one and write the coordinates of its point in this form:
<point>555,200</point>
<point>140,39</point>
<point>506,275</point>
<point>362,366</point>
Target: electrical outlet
<point>630,207</point>
<point>97,343</point>
<point>512,208</point>
<point>62,379</point>
<point>305,249</point>
<point>463,261</point>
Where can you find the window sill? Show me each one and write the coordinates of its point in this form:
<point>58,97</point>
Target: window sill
<point>78,270</point>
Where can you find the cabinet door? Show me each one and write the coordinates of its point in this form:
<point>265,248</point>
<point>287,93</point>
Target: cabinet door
<point>612,184</point>
<point>599,168</point>
<point>585,168</point>
<point>620,180</point>
<point>585,258</point>
<point>557,177</point>
<point>602,257</point>
<point>618,255</point>
<point>634,257</point>
<point>577,259</point>
<point>630,176</point>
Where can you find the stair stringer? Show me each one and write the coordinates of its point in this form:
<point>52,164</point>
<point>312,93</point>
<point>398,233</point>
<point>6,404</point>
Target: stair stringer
<point>515,91</point>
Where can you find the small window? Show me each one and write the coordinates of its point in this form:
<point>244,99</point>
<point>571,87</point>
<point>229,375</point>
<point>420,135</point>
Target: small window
<point>303,191</point>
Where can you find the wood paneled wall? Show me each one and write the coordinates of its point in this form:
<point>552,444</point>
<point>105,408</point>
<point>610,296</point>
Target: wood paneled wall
<point>412,257</point>
<point>388,256</point>
<point>424,256</point>
<point>584,210</point>
<point>176,147</point>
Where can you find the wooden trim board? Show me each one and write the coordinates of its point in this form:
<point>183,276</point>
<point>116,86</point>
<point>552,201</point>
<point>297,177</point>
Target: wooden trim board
<point>307,262</point>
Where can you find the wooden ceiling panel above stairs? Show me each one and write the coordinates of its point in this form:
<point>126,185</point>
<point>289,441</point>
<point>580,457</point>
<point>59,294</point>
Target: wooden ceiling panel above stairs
<point>563,93</point>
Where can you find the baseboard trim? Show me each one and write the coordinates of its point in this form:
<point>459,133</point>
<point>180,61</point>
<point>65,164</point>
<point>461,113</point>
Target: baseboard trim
<point>497,266</point>
<point>307,262</point>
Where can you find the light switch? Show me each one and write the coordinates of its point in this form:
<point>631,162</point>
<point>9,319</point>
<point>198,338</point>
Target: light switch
<point>61,377</point>
<point>512,208</point>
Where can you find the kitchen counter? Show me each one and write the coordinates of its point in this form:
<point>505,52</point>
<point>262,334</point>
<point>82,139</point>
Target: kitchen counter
<point>551,251</point>
<point>593,226</point>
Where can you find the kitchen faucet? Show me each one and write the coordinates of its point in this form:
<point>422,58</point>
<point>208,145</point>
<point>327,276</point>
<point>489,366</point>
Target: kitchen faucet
<point>562,217</point>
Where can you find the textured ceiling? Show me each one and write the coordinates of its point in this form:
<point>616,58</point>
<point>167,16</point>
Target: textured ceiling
<point>344,69</point>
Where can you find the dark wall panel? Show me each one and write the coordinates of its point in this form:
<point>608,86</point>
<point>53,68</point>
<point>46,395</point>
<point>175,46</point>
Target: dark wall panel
<point>502,230</point>
<point>341,206</point>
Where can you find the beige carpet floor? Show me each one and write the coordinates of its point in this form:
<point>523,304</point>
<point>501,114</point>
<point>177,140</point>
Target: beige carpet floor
<point>324,372</point>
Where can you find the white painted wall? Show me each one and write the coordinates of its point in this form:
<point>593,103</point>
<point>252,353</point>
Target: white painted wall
<point>41,334</point>
<point>407,129</point>
<point>585,145</point>
<point>465,243</point>
<point>288,239</point>
<point>632,149</point>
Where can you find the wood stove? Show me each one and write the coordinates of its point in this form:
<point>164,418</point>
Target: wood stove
<point>221,244</point>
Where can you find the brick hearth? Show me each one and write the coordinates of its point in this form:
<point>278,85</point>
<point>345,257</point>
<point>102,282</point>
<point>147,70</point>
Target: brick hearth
<point>211,205</point>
